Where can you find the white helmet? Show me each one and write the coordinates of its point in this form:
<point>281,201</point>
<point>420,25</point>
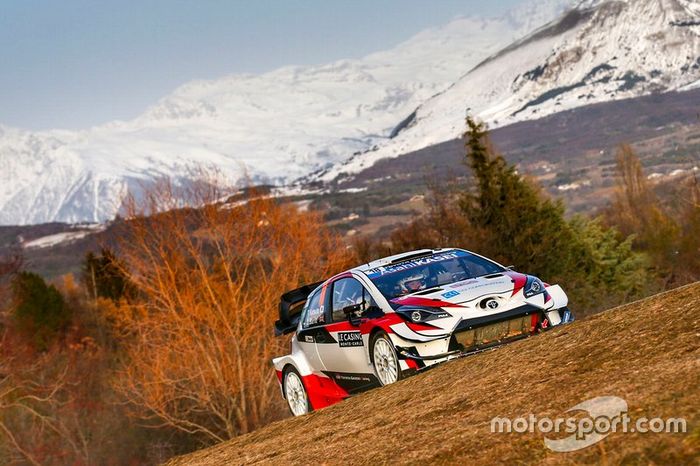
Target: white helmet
<point>412,283</point>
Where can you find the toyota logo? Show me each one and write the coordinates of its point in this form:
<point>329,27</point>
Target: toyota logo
<point>492,304</point>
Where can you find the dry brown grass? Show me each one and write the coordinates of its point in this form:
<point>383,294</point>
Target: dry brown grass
<point>645,352</point>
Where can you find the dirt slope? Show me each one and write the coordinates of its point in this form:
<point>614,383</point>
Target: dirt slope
<point>647,352</point>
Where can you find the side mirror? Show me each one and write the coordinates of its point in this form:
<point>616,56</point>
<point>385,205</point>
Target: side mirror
<point>353,311</point>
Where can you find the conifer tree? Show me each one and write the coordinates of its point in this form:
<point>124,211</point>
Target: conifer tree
<point>39,308</point>
<point>103,275</point>
<point>522,224</point>
<point>518,224</point>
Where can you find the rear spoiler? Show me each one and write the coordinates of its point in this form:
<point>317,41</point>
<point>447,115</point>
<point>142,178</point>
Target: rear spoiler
<point>291,304</point>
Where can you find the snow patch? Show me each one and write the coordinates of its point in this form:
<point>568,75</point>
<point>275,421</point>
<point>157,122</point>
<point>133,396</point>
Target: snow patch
<point>60,238</point>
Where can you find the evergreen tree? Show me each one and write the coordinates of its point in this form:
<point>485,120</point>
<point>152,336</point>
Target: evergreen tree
<point>523,227</point>
<point>518,224</point>
<point>507,217</point>
<point>39,309</point>
<point>103,275</point>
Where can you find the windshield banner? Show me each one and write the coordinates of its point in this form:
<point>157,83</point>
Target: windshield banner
<point>414,263</point>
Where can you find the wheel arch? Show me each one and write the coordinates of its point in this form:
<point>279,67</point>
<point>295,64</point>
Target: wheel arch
<point>286,368</point>
<point>375,330</point>
<point>297,359</point>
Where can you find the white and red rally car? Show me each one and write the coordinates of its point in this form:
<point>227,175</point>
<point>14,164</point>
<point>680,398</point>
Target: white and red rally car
<point>379,322</point>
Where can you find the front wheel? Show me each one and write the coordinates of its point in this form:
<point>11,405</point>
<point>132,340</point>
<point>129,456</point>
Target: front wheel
<point>385,359</point>
<point>295,393</point>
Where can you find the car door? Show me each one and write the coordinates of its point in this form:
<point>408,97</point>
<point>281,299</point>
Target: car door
<point>311,329</point>
<point>346,359</point>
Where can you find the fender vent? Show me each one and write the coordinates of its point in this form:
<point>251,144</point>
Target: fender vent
<point>495,275</point>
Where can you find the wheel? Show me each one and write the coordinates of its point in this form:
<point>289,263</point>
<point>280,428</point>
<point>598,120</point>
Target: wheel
<point>295,393</point>
<point>384,359</point>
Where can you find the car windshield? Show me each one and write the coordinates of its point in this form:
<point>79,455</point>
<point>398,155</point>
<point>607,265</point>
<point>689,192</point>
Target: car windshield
<point>430,271</point>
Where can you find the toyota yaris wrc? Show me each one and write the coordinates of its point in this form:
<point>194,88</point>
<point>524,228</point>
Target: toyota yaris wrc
<point>379,322</point>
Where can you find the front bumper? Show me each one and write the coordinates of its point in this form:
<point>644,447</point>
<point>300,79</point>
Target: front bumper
<point>480,334</point>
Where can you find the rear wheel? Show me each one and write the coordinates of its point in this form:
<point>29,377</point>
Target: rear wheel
<point>295,393</point>
<point>385,359</point>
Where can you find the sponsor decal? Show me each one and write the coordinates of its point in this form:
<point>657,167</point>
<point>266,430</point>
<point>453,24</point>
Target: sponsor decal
<point>461,284</point>
<point>419,301</point>
<point>361,378</point>
<point>468,286</point>
<point>309,339</point>
<point>346,339</point>
<point>423,261</point>
<point>450,294</point>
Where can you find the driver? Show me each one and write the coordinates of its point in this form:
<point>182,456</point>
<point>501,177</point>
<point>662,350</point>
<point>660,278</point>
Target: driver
<point>414,282</point>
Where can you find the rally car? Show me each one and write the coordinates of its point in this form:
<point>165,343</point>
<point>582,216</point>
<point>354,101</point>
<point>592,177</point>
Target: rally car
<point>379,322</point>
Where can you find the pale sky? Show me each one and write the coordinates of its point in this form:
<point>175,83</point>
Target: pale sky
<point>77,63</point>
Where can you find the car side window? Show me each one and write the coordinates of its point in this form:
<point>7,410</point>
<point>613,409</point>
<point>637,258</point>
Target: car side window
<point>347,292</point>
<point>314,312</point>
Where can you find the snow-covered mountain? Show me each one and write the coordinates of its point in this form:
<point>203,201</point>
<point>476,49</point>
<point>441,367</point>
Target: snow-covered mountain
<point>272,127</point>
<point>601,51</point>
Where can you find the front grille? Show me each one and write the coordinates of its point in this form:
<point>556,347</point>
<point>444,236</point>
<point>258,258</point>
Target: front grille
<point>496,333</point>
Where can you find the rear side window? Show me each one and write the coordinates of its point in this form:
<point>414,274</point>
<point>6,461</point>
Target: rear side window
<point>313,312</point>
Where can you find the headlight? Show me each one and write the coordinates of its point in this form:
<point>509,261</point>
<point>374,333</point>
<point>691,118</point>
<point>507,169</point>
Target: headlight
<point>418,314</point>
<point>533,286</point>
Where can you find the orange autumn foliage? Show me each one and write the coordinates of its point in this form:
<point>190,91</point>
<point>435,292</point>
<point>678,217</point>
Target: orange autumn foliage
<point>198,332</point>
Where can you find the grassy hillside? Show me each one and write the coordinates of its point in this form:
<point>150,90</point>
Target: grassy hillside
<point>647,352</point>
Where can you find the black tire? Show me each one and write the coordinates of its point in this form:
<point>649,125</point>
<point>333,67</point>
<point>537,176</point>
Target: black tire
<point>290,371</point>
<point>385,359</point>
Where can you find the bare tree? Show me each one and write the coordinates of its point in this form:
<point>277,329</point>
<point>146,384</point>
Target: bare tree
<point>199,329</point>
<point>27,402</point>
